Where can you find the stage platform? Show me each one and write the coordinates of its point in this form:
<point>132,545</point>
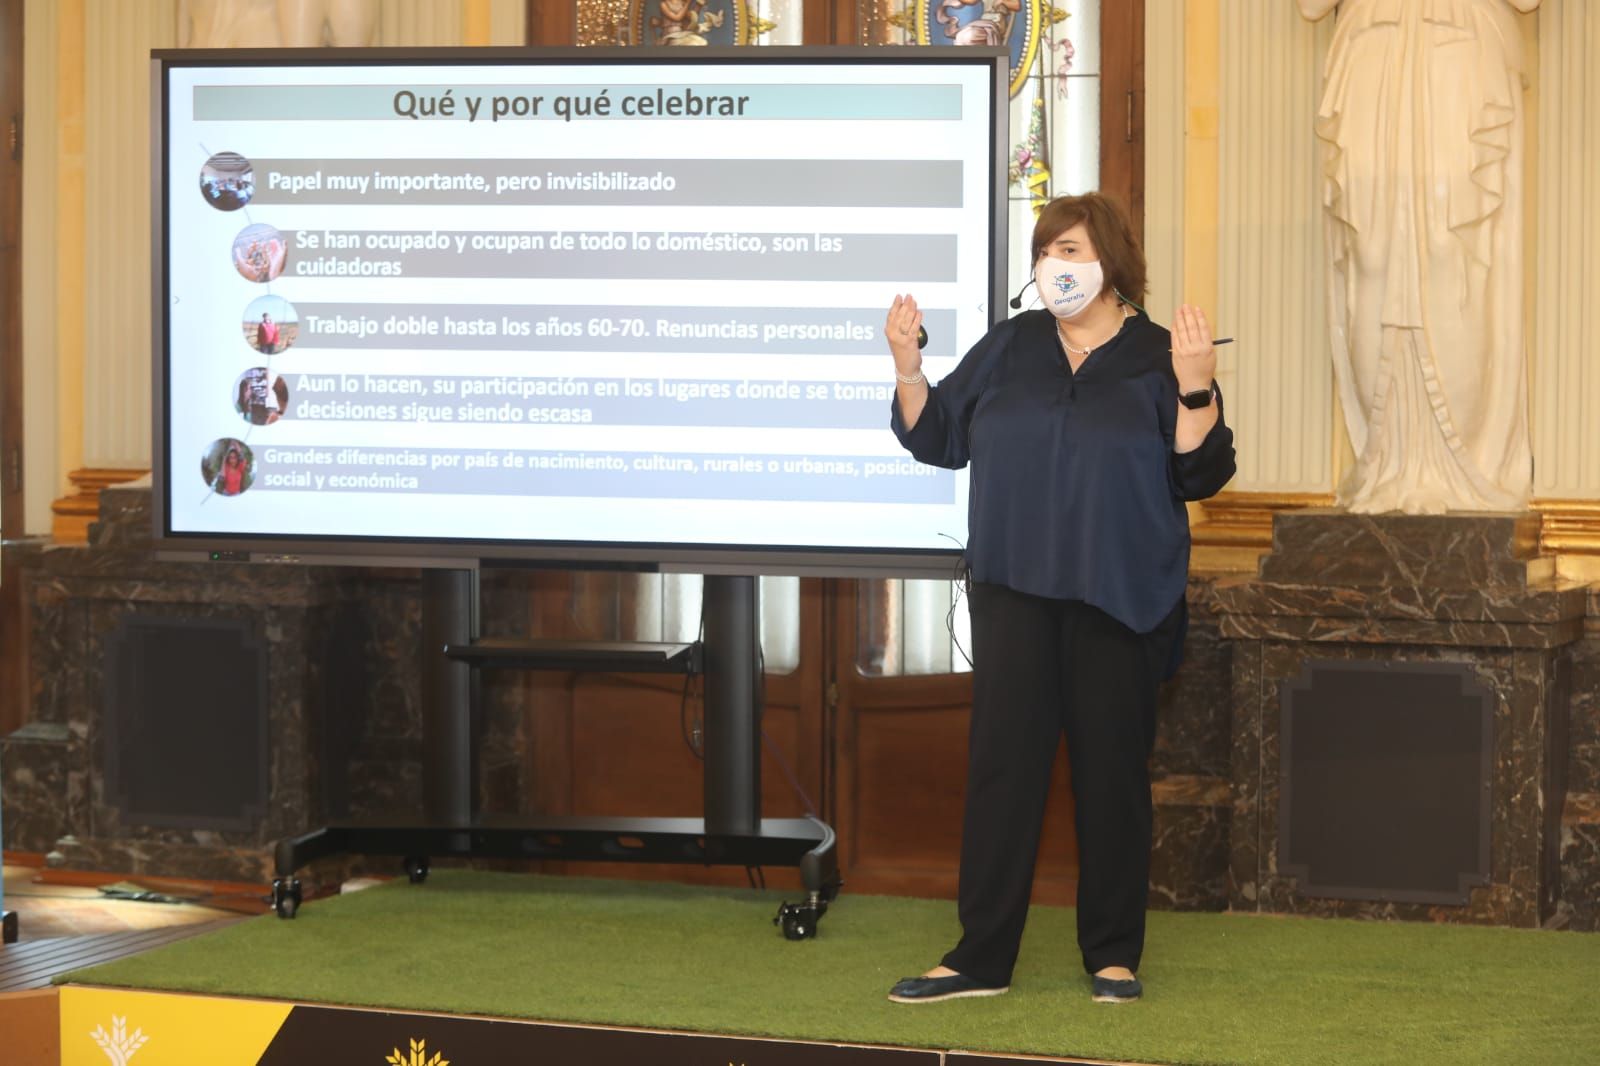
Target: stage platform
<point>173,1029</point>
<point>479,967</point>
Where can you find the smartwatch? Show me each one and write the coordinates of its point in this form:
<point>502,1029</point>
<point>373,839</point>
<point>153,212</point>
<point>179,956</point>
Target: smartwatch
<point>1198,398</point>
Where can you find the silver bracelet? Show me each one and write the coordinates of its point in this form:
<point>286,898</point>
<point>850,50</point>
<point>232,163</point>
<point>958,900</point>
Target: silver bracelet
<point>914,379</point>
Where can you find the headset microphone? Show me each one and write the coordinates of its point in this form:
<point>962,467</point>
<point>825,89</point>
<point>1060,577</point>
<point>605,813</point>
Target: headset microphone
<point>1016,301</point>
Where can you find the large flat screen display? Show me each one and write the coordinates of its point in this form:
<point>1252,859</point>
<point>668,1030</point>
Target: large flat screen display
<point>593,307</point>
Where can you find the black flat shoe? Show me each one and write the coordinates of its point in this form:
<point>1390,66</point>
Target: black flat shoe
<point>934,989</point>
<point>1108,991</point>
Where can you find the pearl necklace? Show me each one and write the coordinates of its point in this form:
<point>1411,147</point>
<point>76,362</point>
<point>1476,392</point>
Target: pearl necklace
<point>1062,336</point>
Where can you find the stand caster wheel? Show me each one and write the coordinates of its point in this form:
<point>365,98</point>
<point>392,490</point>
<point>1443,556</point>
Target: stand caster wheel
<point>799,920</point>
<point>416,869</point>
<point>286,896</point>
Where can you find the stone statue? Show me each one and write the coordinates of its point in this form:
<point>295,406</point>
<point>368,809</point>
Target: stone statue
<point>277,23</point>
<point>1421,119</point>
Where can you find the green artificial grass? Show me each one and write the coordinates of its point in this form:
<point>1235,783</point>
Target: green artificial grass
<point>1218,988</point>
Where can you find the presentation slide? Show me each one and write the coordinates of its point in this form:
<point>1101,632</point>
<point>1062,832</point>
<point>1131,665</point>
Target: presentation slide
<point>562,302</point>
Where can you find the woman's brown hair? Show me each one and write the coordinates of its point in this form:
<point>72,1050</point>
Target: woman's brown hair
<point>1121,258</point>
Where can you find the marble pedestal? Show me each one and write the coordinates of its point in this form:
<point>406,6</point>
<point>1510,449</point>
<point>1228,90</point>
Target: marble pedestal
<point>80,599</point>
<point>1580,817</point>
<point>341,712</point>
<point>1463,589</point>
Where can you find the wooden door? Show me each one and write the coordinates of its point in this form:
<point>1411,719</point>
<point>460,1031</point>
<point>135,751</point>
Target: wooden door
<point>629,745</point>
<point>12,636</point>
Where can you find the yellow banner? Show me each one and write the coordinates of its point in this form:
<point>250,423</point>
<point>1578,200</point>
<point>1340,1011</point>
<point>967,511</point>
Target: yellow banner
<point>127,1028</point>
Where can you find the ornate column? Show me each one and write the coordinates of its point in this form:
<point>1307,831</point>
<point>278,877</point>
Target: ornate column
<point>1163,149</point>
<point>48,129</point>
<point>1253,253</point>
<point>1566,393</point>
<point>1566,264</point>
<point>116,227</point>
<point>1269,264</point>
<point>420,22</point>
<point>103,233</point>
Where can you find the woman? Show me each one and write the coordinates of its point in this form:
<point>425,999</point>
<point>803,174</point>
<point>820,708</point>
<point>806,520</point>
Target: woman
<point>262,396</point>
<point>267,335</point>
<point>1087,427</point>
<point>230,479</point>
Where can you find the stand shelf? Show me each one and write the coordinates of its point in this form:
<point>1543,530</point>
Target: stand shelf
<point>732,833</point>
<point>614,656</point>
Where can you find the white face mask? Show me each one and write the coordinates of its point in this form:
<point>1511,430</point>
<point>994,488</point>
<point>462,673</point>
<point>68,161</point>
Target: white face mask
<point>1066,287</point>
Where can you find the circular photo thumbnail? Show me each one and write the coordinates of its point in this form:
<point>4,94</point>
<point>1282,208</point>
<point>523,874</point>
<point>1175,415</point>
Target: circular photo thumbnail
<point>261,396</point>
<point>227,181</point>
<point>259,252</point>
<point>271,325</point>
<point>228,466</point>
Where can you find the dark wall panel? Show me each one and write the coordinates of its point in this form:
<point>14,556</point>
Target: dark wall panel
<point>1386,781</point>
<point>186,721</point>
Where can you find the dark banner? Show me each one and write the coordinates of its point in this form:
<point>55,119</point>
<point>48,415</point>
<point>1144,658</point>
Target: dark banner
<point>333,1035</point>
<point>163,1029</point>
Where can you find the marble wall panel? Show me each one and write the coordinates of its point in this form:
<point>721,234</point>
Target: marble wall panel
<point>56,622</point>
<point>1560,603</point>
<point>1279,662</point>
<point>1489,905</point>
<point>388,783</point>
<point>1244,836</point>
<point>1325,547</point>
<point>1580,825</point>
<point>341,678</point>
<point>1585,706</point>
<point>1521,769</point>
<point>293,785</point>
<point>343,694</point>
<point>383,749</point>
<point>201,859</point>
<point>126,518</point>
<point>1189,863</point>
<point>34,763</point>
<point>77,598</point>
<point>1583,767</point>
<point>1517,681</point>
<point>1554,776</point>
<point>1580,875</point>
<point>1381,630</point>
<point>507,598</point>
<point>1194,722</point>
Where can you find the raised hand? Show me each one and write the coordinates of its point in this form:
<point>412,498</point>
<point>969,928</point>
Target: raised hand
<point>900,330</point>
<point>1194,359</point>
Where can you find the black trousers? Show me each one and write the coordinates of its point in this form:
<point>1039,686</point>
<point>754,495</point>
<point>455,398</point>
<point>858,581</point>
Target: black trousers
<point>1041,666</point>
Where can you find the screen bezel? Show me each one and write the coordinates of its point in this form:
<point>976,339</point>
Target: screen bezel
<point>707,558</point>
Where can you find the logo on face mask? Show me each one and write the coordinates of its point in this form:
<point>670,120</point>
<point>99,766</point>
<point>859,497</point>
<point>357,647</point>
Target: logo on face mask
<point>1067,286</point>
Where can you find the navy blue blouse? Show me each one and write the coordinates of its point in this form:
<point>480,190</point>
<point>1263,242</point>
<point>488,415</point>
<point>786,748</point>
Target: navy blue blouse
<point>1076,492</point>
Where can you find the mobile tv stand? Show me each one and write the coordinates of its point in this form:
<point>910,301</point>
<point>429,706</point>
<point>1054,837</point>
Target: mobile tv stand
<point>732,833</point>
